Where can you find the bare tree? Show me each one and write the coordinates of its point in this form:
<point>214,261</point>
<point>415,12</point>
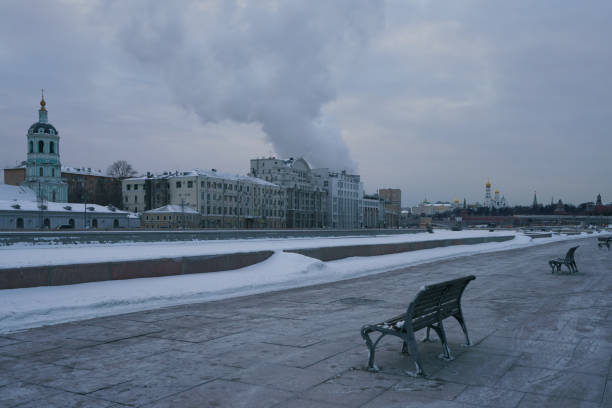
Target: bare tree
<point>121,169</point>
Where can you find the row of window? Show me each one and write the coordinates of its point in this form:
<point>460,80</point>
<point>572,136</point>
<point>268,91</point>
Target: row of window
<point>41,147</point>
<point>213,185</point>
<point>169,217</point>
<point>41,172</point>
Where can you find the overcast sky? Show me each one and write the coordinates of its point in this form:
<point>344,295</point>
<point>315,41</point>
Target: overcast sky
<point>432,97</point>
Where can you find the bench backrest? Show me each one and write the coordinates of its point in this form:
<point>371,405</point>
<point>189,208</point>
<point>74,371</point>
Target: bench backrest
<point>569,257</point>
<point>436,302</point>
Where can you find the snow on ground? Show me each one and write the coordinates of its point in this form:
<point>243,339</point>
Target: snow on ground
<point>22,255</point>
<point>32,307</point>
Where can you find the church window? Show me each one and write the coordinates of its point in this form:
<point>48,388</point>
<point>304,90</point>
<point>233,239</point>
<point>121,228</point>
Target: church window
<point>41,146</point>
<point>51,147</point>
<point>31,147</point>
<point>40,172</point>
<point>53,196</point>
<point>40,130</point>
<point>53,175</point>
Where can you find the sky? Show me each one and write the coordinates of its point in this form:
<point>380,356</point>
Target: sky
<point>430,97</point>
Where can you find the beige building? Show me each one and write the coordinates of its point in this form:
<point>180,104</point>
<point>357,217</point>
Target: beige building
<point>171,216</point>
<point>428,209</point>
<point>223,200</point>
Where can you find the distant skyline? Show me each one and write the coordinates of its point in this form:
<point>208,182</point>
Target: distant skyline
<point>434,98</point>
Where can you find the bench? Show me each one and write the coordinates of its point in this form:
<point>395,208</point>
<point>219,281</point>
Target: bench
<point>430,307</point>
<point>555,264</point>
<point>604,242</point>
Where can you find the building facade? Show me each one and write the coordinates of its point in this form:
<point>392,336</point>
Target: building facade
<point>171,216</point>
<point>85,185</point>
<point>223,200</point>
<point>43,167</point>
<point>306,195</point>
<point>393,206</point>
<point>344,198</point>
<point>373,211</point>
<point>20,209</point>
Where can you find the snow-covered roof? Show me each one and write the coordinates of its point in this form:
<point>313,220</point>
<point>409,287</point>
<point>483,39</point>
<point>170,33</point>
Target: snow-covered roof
<point>8,192</point>
<point>173,209</point>
<point>83,170</point>
<point>76,208</point>
<point>205,173</point>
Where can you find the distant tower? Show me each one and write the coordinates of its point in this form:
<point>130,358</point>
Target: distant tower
<point>535,200</point>
<point>43,167</point>
<point>487,200</point>
<point>598,202</point>
<point>464,203</point>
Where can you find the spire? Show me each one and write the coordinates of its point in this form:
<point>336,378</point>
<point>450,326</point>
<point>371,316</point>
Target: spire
<point>535,199</point>
<point>42,112</point>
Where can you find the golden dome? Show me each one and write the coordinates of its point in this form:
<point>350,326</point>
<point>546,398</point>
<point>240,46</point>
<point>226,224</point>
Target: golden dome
<point>456,201</point>
<point>488,184</point>
<point>496,191</point>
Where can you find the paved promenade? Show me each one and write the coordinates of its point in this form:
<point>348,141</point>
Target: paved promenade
<point>540,340</point>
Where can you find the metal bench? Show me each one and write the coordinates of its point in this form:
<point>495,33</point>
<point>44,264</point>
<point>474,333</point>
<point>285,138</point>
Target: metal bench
<point>568,261</point>
<point>430,307</point>
<point>604,242</point>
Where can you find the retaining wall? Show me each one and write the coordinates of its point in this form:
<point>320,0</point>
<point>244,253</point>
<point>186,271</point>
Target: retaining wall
<point>340,252</point>
<point>93,272</point>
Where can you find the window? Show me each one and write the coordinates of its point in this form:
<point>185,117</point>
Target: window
<point>40,172</point>
<point>53,172</point>
<point>41,147</point>
<point>126,199</point>
<point>31,147</point>
<point>178,184</point>
<point>135,199</point>
<point>135,186</point>
<point>190,184</point>
<point>128,187</point>
<point>51,147</point>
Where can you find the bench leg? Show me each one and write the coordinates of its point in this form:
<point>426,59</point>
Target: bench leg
<point>428,339</point>
<point>365,333</point>
<point>410,342</point>
<point>439,328</point>
<point>459,317</point>
<point>552,266</point>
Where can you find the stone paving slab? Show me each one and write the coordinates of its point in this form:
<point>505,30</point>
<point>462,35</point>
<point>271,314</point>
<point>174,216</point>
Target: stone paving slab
<point>540,340</point>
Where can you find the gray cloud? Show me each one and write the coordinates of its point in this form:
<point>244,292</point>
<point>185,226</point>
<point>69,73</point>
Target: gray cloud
<point>426,96</point>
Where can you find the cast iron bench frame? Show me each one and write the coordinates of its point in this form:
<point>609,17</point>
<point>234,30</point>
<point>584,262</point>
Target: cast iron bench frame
<point>430,307</point>
<point>604,242</point>
<point>569,261</point>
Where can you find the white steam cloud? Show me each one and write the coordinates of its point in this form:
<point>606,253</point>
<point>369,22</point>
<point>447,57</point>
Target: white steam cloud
<point>267,62</point>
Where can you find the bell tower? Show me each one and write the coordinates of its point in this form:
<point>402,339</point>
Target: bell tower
<point>43,166</point>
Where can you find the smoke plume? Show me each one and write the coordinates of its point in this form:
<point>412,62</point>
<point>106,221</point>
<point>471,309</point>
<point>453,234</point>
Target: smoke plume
<point>267,62</point>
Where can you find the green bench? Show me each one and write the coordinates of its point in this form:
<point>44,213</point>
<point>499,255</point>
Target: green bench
<point>568,261</point>
<point>431,306</point>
